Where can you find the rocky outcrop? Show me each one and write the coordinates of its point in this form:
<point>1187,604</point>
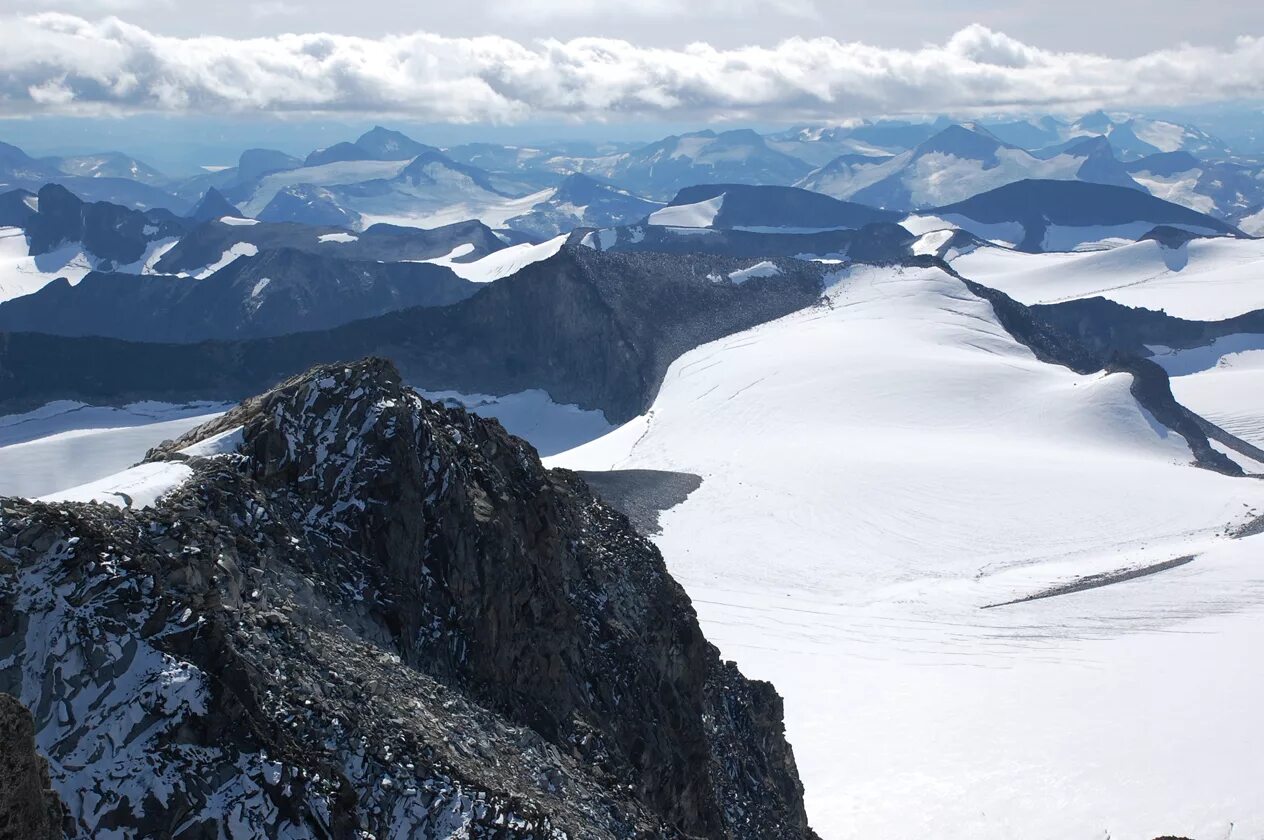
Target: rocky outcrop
<point>29,808</point>
<point>371,615</point>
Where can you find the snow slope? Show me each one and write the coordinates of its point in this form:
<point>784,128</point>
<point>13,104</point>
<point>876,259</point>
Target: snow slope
<point>1253,223</point>
<point>326,175</point>
<point>1206,280</point>
<point>698,215</point>
<point>933,177</point>
<point>137,487</point>
<point>878,469</point>
<point>491,211</point>
<point>500,263</point>
<point>22,274</point>
<point>533,416</point>
<point>1223,382</point>
<point>64,444</point>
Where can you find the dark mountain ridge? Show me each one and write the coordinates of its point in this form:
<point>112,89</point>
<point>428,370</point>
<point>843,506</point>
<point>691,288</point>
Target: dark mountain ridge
<point>208,242</point>
<point>745,205</point>
<point>272,293</point>
<point>593,329</point>
<point>1037,204</point>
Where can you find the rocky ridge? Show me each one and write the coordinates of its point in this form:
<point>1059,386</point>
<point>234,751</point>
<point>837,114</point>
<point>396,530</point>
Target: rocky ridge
<point>365,615</point>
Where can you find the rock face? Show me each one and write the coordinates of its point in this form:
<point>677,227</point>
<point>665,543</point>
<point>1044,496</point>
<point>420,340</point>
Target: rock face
<point>29,808</point>
<point>373,616</point>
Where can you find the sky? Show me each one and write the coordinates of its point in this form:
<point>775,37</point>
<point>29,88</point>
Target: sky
<point>1118,28</point>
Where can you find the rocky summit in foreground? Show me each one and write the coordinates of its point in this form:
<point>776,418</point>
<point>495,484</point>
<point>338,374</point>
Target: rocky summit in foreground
<point>361,614</point>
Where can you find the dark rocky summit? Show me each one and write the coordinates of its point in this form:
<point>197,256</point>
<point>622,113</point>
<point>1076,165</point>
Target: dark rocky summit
<point>112,233</point>
<point>371,616</point>
<point>29,808</point>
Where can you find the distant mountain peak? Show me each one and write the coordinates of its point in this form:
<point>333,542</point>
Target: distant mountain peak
<point>213,206</point>
<point>1091,145</point>
<point>963,141</point>
<point>255,163</point>
<point>388,144</point>
<point>377,143</point>
<point>1096,121</point>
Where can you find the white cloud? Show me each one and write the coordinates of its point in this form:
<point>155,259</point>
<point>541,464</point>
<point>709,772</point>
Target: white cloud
<point>55,63</point>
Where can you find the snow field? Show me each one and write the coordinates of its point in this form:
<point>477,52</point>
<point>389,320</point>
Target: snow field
<point>875,472</point>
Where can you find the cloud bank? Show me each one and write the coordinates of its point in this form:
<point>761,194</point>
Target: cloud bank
<point>61,64</point>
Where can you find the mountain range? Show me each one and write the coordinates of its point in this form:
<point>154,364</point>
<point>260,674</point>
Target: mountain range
<point>949,434</point>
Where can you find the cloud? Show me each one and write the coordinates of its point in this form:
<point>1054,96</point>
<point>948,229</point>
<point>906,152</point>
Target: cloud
<point>62,64</point>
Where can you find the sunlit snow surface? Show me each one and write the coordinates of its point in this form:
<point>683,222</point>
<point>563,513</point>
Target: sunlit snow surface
<point>1206,280</point>
<point>877,470</point>
<point>699,215</point>
<point>65,444</point>
<point>136,487</point>
<point>1223,382</point>
<point>498,264</point>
